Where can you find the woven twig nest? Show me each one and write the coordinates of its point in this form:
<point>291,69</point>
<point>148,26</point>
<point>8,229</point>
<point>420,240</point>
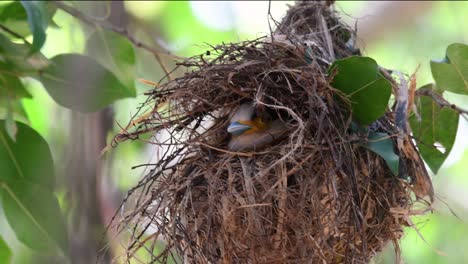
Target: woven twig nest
<point>315,195</point>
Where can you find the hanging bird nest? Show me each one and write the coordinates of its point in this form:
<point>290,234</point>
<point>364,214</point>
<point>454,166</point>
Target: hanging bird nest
<point>312,195</point>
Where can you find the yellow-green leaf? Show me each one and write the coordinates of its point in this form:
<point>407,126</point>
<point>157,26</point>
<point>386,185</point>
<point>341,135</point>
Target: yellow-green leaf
<point>452,73</point>
<point>5,252</point>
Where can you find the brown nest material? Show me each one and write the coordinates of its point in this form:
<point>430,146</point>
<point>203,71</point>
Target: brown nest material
<point>314,196</point>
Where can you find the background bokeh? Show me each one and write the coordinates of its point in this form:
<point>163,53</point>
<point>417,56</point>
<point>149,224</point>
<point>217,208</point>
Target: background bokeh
<point>398,35</point>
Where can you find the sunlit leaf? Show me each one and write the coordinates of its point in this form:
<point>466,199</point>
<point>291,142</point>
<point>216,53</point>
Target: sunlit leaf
<point>38,19</point>
<point>115,53</point>
<point>452,73</point>
<point>435,132</point>
<point>34,215</point>
<point>382,144</point>
<point>80,83</point>
<point>28,158</point>
<point>366,88</point>
<point>5,252</point>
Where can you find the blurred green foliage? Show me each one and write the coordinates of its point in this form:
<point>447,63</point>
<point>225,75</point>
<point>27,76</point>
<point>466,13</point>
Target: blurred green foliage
<point>176,26</point>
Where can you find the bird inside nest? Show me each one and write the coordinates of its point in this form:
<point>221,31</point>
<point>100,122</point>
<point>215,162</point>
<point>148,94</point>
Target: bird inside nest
<point>254,129</point>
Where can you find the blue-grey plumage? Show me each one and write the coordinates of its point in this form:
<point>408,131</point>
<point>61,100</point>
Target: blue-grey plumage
<point>252,133</point>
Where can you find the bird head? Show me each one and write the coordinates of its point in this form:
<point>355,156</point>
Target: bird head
<point>245,121</point>
<point>253,129</point>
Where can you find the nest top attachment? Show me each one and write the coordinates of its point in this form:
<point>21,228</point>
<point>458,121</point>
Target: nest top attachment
<point>257,161</point>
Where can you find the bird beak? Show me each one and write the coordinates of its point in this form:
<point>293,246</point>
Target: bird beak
<point>237,128</point>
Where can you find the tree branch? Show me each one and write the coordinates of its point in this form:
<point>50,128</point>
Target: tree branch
<point>119,30</point>
<point>438,99</point>
<point>13,33</point>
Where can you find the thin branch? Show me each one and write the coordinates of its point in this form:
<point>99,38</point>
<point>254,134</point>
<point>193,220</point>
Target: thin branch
<point>441,101</point>
<point>119,30</point>
<point>13,33</point>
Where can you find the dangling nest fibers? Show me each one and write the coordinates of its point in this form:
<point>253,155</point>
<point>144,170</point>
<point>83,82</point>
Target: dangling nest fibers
<point>315,196</point>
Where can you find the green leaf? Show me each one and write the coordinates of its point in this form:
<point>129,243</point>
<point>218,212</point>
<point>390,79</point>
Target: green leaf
<point>38,19</point>
<point>13,11</point>
<point>13,15</point>
<point>382,144</point>
<point>11,86</point>
<point>34,215</point>
<point>28,158</point>
<point>438,126</point>
<point>5,252</point>
<point>368,91</point>
<point>15,107</point>
<point>16,57</point>
<point>115,53</point>
<point>80,83</point>
<point>452,73</point>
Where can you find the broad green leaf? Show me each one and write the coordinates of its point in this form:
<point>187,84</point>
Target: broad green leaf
<point>5,252</point>
<point>365,87</point>
<point>452,73</point>
<point>38,19</point>
<point>438,126</point>
<point>16,57</point>
<point>382,144</point>
<point>115,53</point>
<point>80,83</point>
<point>34,215</point>
<point>28,158</point>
